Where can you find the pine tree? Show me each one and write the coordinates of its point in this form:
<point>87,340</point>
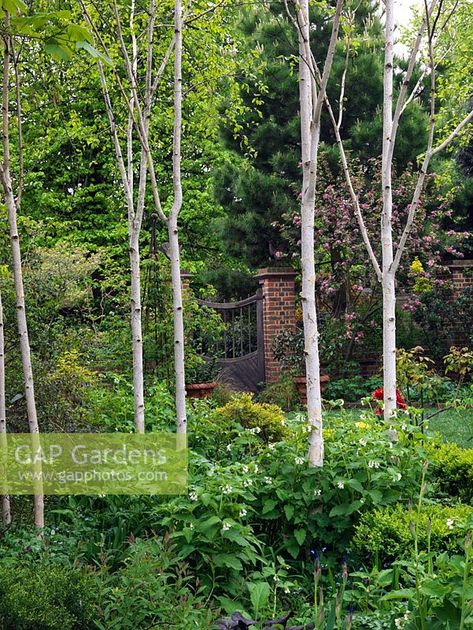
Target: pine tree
<point>260,179</point>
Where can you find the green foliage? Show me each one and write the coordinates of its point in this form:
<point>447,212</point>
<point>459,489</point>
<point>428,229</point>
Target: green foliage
<point>45,597</point>
<point>438,321</point>
<point>153,589</point>
<point>460,362</point>
<point>351,389</point>
<point>453,468</point>
<point>266,420</point>
<point>110,405</point>
<point>282,393</point>
<point>388,534</point>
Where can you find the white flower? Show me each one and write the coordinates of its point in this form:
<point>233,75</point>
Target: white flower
<point>373,464</point>
<point>256,468</point>
<point>227,489</point>
<point>193,496</point>
<point>268,480</point>
<point>397,477</point>
<point>247,483</point>
<point>286,589</point>
<point>191,525</point>
<point>362,442</point>
<point>257,429</point>
<point>317,493</point>
<point>271,447</point>
<point>299,461</point>
<point>243,512</point>
<point>450,523</point>
<point>340,485</point>
<point>245,468</point>
<point>229,447</point>
<point>226,527</point>
<point>276,578</point>
<point>399,623</point>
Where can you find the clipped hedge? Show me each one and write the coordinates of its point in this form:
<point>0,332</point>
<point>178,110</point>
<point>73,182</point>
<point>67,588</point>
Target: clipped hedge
<point>388,534</point>
<point>453,469</point>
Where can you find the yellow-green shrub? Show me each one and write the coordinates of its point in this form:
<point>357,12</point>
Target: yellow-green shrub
<point>265,419</point>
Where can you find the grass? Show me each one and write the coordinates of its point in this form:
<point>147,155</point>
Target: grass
<point>453,426</point>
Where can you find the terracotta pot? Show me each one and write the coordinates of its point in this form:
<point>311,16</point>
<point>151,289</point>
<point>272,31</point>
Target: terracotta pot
<point>301,384</point>
<point>200,390</point>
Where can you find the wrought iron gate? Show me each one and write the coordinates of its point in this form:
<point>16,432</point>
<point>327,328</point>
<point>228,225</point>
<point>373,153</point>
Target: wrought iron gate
<point>240,351</point>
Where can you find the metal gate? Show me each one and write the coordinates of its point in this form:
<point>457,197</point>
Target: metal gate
<point>240,351</point>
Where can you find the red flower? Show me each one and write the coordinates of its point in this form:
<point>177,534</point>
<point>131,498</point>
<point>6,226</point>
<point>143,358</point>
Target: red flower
<point>378,394</point>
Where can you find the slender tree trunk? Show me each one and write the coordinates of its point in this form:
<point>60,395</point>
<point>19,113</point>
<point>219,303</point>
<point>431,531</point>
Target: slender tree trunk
<point>388,278</point>
<point>179,364</point>
<point>17,270</point>
<point>6,511</point>
<point>309,141</point>
<point>136,332</point>
<point>178,313</point>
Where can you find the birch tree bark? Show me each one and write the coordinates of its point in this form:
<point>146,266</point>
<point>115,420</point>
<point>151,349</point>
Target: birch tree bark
<point>388,279</point>
<point>16,261</point>
<point>140,110</point>
<point>173,232</point>
<point>390,257</point>
<point>311,98</point>
<point>6,511</point>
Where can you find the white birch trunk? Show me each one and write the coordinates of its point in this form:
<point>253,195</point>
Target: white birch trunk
<point>388,279</point>
<point>136,332</point>
<point>6,511</point>
<point>178,314</point>
<point>179,362</point>
<point>18,272</point>
<point>311,98</point>
<point>309,309</point>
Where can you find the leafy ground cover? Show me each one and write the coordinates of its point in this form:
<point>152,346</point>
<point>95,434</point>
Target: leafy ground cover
<point>378,538</point>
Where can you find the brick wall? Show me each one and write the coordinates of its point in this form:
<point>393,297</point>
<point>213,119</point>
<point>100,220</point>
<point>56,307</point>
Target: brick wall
<point>278,288</point>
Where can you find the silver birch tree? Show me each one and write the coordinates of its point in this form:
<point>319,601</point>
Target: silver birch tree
<point>11,204</point>
<point>140,104</point>
<point>386,269</point>
<point>311,98</point>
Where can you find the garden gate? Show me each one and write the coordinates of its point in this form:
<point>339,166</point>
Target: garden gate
<point>245,352</point>
<point>240,351</point>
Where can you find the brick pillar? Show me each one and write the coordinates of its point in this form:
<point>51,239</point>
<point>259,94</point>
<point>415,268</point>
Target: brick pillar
<point>461,275</point>
<point>279,292</point>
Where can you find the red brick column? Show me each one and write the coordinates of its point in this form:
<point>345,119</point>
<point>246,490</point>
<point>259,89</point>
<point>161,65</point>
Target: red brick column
<point>461,275</point>
<point>279,292</point>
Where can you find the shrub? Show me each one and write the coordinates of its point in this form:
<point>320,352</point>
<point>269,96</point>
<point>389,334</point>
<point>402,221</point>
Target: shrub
<point>453,467</point>
<point>265,419</point>
<point>351,389</point>
<point>388,534</point>
<point>45,597</point>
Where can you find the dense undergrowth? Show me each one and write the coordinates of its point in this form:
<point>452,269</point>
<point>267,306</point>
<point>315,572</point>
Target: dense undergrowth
<point>380,537</point>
